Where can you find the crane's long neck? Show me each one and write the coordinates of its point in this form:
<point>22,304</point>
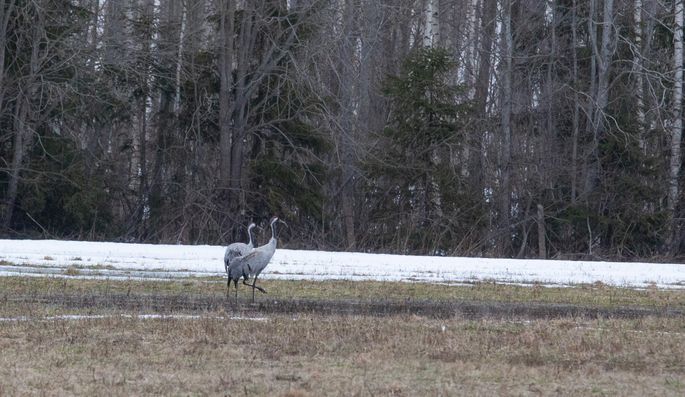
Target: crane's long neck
<point>274,234</point>
<point>249,235</point>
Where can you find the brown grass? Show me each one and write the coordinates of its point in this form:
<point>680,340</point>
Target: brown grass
<point>353,355</point>
<point>588,295</point>
<point>315,355</point>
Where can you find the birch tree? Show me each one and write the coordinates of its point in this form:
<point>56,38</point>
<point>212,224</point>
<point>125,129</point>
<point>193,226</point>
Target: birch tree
<point>504,231</point>
<point>226,10</point>
<point>488,23</point>
<point>431,26</point>
<point>576,103</point>
<point>638,71</point>
<point>143,31</point>
<point>602,57</point>
<point>676,129</point>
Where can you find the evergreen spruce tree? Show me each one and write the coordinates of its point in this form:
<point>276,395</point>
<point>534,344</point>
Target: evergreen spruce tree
<point>414,187</point>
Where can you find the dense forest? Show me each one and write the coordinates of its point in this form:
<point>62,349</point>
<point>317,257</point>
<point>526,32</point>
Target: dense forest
<point>509,128</point>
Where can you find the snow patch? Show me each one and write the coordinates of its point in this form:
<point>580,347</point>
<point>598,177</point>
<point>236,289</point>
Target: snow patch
<point>114,260</point>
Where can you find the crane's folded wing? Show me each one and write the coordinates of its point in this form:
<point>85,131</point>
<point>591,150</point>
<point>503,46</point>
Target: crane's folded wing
<point>231,254</point>
<point>241,261</point>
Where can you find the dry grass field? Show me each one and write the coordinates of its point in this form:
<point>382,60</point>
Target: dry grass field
<point>207,345</point>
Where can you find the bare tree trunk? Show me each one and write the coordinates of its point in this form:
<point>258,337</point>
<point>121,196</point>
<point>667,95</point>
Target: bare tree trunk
<point>676,131</point>
<point>576,105</point>
<point>431,27</point>
<point>542,233</point>
<point>166,44</point>
<point>592,95</point>
<point>348,135</point>
<point>505,159</point>
<point>547,141</point>
<point>165,127</point>
<point>139,165</point>
<point>94,34</point>
<point>140,178</point>
<point>649,98</point>
<point>602,97</point>
<point>471,43</point>
<point>226,48</point>
<point>245,51</point>
<point>433,200</point>
<point>348,212</point>
<point>23,113</point>
<point>20,138</point>
<point>5,15</point>
<point>193,43</point>
<point>487,29</point>
<point>113,33</point>
<point>179,56</point>
<point>598,99</point>
<point>638,70</point>
<point>604,67</point>
<point>237,193</point>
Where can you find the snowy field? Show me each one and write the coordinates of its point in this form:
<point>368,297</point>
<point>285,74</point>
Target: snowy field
<point>119,260</point>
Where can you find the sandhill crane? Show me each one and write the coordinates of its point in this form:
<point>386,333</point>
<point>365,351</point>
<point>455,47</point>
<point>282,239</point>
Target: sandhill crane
<point>254,262</point>
<point>234,251</point>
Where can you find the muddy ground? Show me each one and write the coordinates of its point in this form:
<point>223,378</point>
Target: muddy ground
<point>198,304</point>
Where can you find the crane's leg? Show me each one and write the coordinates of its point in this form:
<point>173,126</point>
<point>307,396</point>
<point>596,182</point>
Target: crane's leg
<point>262,290</point>
<point>254,286</point>
<point>228,281</point>
<point>254,282</point>
<point>236,291</point>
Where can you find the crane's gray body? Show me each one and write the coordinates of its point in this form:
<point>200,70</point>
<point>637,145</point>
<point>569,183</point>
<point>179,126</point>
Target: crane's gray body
<point>237,250</point>
<point>253,262</point>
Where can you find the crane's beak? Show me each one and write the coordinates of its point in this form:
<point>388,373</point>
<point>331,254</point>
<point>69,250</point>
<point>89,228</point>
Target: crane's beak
<point>283,222</point>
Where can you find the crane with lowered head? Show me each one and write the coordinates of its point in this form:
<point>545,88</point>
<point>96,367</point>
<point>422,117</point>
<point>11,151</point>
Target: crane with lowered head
<point>234,251</point>
<point>253,263</point>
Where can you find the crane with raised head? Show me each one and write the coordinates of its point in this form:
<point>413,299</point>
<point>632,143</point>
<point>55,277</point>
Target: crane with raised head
<point>234,251</point>
<point>254,262</point>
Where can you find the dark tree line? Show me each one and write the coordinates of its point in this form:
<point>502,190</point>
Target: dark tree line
<point>517,128</point>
